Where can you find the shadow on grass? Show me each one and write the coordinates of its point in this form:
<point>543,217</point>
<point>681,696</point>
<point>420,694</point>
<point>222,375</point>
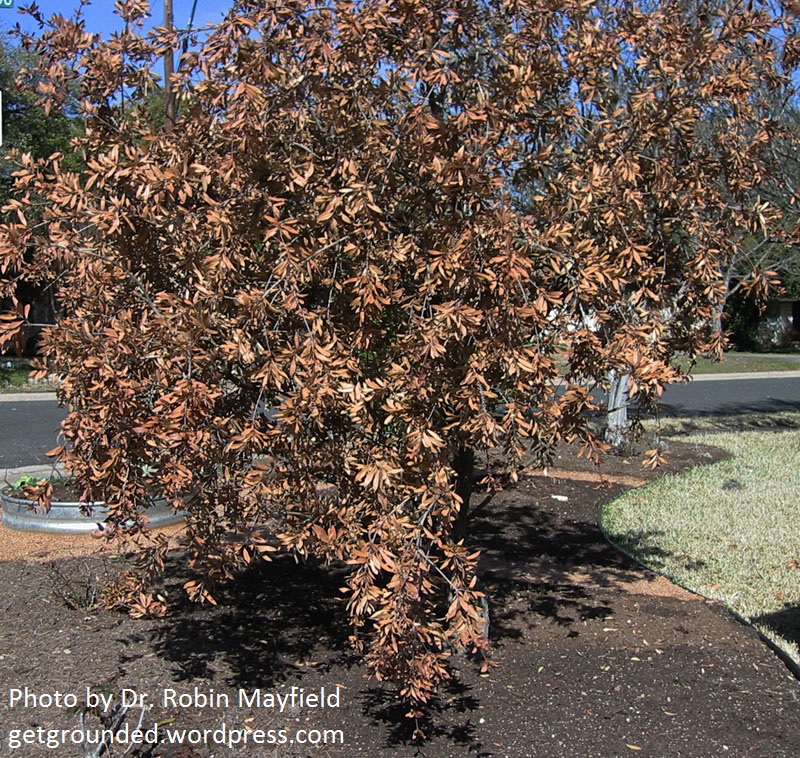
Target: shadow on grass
<point>777,416</point>
<point>785,623</point>
<point>643,547</point>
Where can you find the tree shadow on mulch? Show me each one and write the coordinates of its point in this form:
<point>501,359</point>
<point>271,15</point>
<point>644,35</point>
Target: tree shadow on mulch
<point>265,628</point>
<point>457,699</point>
<point>557,593</point>
<point>279,619</point>
<point>279,615</point>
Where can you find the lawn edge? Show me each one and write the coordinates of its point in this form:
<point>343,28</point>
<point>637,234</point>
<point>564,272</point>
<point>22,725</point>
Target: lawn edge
<point>784,655</point>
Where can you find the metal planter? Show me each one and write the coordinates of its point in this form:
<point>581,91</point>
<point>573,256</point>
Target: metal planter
<point>69,517</point>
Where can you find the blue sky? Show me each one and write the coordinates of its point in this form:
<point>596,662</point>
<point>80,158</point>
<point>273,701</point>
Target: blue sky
<point>100,15</point>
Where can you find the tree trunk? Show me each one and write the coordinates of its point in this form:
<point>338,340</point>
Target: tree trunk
<point>464,466</point>
<point>617,432</point>
<point>716,319</point>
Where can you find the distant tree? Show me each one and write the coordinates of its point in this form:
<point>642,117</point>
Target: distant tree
<point>774,248</point>
<point>315,302</point>
<point>26,126</point>
<point>28,129</point>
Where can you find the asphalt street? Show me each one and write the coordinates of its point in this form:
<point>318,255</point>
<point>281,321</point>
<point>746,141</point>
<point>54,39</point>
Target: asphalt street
<point>28,429</point>
<point>722,396</point>
<point>29,424</point>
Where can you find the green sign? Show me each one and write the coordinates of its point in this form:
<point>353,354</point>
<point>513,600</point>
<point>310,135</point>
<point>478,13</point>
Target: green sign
<point>6,3</point>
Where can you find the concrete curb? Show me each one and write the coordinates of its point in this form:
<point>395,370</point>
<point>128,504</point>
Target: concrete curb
<point>738,377</point>
<point>10,475</point>
<point>26,397</point>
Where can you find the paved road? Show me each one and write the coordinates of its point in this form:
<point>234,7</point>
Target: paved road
<point>731,396</point>
<point>28,429</point>
<point>29,426</point>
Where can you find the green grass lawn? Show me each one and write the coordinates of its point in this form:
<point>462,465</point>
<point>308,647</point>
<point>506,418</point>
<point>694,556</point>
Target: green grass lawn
<point>736,363</point>
<point>14,374</point>
<point>745,363</point>
<point>729,531</point>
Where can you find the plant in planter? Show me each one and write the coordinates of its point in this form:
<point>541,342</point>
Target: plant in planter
<point>57,504</point>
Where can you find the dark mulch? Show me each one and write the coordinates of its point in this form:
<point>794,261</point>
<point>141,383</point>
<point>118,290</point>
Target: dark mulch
<point>597,657</point>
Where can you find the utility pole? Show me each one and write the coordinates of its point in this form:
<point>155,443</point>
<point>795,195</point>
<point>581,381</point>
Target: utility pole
<point>169,70</point>
<point>185,45</point>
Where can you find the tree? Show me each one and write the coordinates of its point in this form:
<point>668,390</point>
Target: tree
<point>315,301</point>
<point>28,129</point>
<point>656,170</point>
<point>774,249</point>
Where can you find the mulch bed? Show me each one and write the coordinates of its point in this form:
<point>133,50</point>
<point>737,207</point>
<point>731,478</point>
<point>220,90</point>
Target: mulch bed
<point>596,656</point>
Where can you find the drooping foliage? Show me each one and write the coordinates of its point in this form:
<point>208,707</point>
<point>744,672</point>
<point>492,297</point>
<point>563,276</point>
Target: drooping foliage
<point>359,259</point>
